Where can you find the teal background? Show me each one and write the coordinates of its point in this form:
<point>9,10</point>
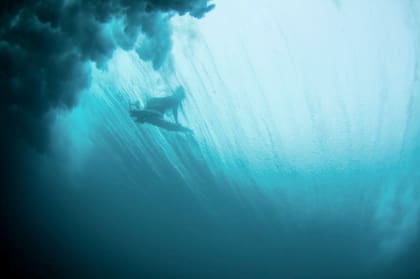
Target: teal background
<point>303,162</point>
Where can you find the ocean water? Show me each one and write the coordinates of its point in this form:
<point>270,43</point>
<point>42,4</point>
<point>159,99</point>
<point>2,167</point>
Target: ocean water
<point>303,162</point>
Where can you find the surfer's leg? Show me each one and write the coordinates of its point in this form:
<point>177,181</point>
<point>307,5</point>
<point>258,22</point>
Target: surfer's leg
<point>175,113</point>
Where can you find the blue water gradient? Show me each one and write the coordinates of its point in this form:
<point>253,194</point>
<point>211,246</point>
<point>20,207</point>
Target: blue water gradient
<point>304,157</point>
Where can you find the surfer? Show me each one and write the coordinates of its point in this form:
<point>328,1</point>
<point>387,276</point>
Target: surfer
<point>155,109</point>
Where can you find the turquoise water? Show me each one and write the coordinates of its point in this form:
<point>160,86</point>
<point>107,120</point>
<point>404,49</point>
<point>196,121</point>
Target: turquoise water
<point>304,157</point>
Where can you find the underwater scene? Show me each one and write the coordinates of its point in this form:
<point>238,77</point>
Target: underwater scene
<point>210,139</point>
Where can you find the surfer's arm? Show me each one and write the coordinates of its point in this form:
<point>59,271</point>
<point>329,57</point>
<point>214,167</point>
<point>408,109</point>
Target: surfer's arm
<point>175,112</point>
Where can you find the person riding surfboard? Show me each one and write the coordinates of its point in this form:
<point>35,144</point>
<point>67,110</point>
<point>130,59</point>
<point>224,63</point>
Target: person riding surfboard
<point>155,109</point>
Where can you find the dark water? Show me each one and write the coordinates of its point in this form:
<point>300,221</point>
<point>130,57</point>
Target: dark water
<point>303,162</point>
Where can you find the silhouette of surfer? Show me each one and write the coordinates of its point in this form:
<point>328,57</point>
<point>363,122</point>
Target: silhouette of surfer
<point>155,109</point>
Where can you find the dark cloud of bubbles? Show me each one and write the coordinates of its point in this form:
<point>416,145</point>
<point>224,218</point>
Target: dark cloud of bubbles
<point>46,48</point>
